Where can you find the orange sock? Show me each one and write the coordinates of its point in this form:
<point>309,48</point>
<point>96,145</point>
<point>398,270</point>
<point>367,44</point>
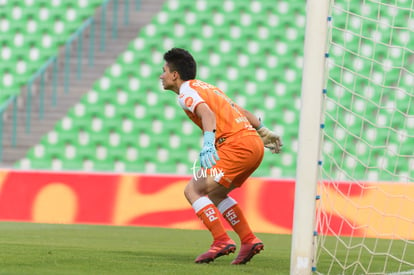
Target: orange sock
<point>209,214</point>
<point>234,215</point>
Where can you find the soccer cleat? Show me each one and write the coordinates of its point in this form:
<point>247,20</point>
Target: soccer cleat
<point>217,249</point>
<point>247,251</point>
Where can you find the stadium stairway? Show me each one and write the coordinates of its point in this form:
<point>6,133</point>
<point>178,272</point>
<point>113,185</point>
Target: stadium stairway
<point>78,86</point>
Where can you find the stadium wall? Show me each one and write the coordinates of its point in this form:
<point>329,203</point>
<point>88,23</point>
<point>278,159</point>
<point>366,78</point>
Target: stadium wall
<point>158,201</point>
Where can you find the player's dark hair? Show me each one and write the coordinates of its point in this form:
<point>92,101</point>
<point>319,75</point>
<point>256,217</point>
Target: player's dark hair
<point>181,61</point>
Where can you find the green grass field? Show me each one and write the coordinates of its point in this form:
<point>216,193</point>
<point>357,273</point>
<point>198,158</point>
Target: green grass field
<point>88,249</point>
<point>28,248</point>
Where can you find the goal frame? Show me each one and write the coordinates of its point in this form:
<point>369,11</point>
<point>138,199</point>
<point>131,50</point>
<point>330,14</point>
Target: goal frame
<point>310,125</point>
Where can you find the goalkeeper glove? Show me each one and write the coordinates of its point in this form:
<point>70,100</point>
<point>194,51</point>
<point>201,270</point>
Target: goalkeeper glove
<point>270,140</point>
<point>208,154</point>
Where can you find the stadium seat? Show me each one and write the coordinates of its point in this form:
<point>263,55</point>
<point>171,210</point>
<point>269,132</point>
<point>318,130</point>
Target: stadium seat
<point>31,31</point>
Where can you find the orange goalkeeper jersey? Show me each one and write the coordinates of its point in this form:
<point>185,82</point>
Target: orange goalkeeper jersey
<point>230,119</point>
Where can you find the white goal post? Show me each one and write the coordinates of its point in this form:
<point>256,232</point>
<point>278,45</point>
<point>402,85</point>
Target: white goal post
<point>309,136</point>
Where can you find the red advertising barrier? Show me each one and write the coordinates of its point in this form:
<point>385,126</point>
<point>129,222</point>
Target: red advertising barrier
<point>368,209</point>
<point>132,199</point>
<point>373,210</point>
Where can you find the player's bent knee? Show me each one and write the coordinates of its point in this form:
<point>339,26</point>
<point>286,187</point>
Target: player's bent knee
<point>188,192</point>
<point>194,190</point>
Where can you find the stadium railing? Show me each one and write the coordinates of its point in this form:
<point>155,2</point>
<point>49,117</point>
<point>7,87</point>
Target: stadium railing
<point>71,53</point>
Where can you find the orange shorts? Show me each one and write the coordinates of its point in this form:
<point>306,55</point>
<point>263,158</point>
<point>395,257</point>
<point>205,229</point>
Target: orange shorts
<point>240,155</point>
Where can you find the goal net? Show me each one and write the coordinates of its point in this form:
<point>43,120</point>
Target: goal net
<point>365,214</point>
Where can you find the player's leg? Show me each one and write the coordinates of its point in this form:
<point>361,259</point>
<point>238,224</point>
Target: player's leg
<point>195,192</point>
<point>231,211</point>
<point>233,214</point>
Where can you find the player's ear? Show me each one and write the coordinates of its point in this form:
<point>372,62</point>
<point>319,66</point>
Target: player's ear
<point>176,75</point>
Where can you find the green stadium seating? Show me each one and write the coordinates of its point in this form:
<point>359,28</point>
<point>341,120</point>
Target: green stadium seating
<point>254,56</point>
<point>31,32</point>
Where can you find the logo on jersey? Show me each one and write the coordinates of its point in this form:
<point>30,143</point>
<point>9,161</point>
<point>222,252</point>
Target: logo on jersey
<point>188,101</point>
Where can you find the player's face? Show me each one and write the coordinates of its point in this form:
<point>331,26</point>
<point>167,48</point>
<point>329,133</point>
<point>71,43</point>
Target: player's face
<point>167,77</point>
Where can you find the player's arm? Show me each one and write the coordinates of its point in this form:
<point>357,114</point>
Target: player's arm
<point>269,138</point>
<point>207,116</point>
<point>208,154</point>
<point>254,121</point>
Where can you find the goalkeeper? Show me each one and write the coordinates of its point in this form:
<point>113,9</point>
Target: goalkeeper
<point>234,141</point>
